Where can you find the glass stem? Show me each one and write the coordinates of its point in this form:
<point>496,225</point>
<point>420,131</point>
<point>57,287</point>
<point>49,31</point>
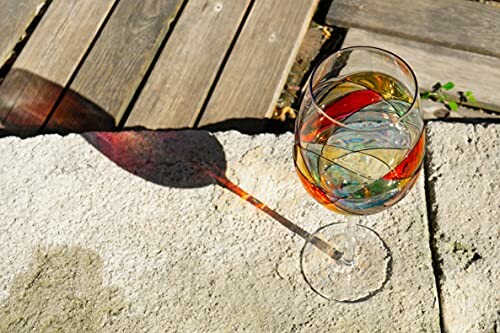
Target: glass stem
<point>349,242</point>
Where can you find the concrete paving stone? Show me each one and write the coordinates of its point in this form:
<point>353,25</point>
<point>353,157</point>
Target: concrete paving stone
<point>464,163</point>
<point>122,232</point>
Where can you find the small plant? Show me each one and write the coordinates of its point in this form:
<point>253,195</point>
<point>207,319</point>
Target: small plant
<point>437,94</point>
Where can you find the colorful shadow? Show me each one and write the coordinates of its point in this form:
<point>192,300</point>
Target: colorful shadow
<point>183,159</point>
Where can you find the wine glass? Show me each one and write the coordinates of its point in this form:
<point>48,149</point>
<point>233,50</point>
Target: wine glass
<point>359,146</point>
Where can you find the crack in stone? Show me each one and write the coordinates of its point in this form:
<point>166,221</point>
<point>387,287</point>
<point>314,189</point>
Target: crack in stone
<point>430,198</point>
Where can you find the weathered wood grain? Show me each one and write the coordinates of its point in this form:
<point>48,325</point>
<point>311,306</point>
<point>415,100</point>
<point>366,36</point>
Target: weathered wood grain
<point>181,79</point>
<point>16,16</point>
<point>53,53</point>
<point>121,56</point>
<point>257,68</point>
<point>432,63</point>
<point>466,25</point>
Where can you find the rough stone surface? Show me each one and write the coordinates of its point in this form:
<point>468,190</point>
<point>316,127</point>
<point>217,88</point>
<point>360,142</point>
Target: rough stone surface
<point>464,164</point>
<point>118,233</point>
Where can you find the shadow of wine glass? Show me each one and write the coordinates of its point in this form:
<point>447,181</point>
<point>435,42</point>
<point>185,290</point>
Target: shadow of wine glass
<point>179,159</point>
<point>188,159</point>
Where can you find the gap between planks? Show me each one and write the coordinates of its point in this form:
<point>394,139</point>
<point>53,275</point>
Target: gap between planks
<point>255,74</point>
<point>180,81</point>
<point>118,62</point>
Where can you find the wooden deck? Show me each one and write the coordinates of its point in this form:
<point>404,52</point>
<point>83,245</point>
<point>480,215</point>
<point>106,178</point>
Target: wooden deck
<point>110,64</point>
<point>73,66</point>
<point>445,40</point>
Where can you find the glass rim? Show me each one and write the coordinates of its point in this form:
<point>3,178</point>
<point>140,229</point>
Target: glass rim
<point>370,48</point>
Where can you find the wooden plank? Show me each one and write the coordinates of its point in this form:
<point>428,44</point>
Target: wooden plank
<point>256,71</point>
<point>53,53</point>
<point>16,16</point>
<point>435,111</point>
<point>432,63</point>
<point>120,58</point>
<point>181,79</point>
<point>465,25</point>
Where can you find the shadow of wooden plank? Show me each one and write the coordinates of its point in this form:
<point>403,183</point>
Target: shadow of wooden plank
<point>53,52</point>
<point>187,67</point>
<point>432,63</point>
<point>257,68</point>
<point>16,16</point>
<point>122,55</point>
<point>463,25</point>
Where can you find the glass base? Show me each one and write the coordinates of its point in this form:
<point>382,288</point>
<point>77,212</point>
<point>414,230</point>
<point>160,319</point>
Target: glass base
<point>333,278</point>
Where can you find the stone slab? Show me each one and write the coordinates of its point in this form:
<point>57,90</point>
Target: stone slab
<point>116,232</point>
<point>464,163</point>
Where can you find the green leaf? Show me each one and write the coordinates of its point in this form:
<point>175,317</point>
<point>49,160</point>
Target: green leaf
<point>453,105</point>
<point>448,85</point>
<point>441,99</point>
<point>470,96</point>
